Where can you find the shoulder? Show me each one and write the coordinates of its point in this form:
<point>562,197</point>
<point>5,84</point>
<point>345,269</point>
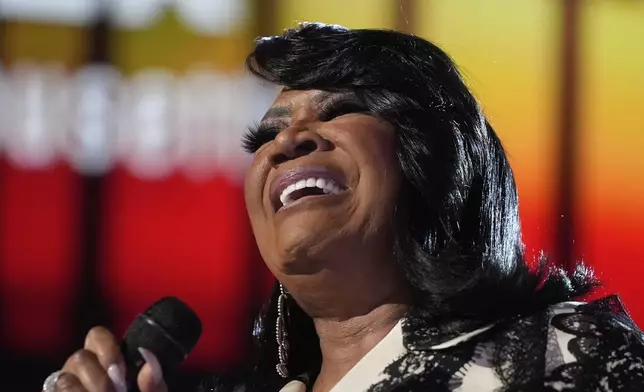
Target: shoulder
<point>570,346</point>
<point>603,324</point>
<point>593,346</point>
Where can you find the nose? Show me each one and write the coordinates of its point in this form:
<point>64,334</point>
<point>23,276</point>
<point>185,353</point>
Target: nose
<point>293,143</point>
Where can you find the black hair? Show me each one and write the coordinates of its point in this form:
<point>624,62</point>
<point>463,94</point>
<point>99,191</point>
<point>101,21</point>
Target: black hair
<point>458,234</point>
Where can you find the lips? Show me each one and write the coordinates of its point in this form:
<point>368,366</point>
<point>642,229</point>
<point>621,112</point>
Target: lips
<point>305,181</point>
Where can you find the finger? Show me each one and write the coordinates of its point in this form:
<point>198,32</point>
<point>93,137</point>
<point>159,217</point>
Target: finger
<point>101,342</point>
<point>150,378</point>
<point>68,382</point>
<point>85,366</point>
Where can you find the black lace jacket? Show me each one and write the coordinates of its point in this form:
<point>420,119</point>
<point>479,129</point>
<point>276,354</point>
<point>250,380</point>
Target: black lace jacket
<point>568,347</point>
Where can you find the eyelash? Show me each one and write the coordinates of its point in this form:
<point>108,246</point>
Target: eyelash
<point>258,135</point>
<point>340,107</point>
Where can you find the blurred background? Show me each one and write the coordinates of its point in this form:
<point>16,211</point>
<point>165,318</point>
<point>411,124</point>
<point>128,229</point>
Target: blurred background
<point>121,172</point>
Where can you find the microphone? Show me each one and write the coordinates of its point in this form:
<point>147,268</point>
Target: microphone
<point>169,329</point>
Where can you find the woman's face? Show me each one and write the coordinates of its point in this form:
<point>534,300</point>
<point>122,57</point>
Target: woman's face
<point>321,190</point>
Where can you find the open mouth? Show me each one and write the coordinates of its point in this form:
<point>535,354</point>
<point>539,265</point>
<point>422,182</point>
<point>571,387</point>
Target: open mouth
<point>303,183</point>
<point>306,188</point>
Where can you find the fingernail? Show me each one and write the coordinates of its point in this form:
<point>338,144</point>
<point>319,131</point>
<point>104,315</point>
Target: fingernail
<point>117,375</point>
<point>157,373</point>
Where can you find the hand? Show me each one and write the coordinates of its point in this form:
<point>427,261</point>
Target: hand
<point>99,367</point>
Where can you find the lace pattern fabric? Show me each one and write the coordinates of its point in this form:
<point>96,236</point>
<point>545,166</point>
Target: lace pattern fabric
<point>568,347</point>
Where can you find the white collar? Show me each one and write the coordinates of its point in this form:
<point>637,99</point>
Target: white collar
<point>368,370</point>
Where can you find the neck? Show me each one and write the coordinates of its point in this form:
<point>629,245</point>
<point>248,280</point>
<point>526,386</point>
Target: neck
<point>352,312</point>
<point>344,342</point>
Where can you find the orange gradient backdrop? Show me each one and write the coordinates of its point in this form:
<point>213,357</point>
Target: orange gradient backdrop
<point>610,191</point>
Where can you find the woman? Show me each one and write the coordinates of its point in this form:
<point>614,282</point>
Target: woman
<point>384,204</point>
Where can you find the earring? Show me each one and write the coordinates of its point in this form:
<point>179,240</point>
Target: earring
<point>281,335</point>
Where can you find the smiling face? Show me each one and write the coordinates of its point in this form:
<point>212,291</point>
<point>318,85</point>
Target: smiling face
<point>322,187</point>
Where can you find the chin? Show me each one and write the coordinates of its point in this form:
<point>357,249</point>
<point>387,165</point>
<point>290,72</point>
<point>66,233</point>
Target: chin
<point>292,264</point>
<point>300,251</point>
<point>300,267</point>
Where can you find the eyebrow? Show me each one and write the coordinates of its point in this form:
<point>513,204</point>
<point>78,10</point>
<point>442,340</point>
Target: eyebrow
<point>284,112</point>
<point>322,98</point>
<point>277,112</point>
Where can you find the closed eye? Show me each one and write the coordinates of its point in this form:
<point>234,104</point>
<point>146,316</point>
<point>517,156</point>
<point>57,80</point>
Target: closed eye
<point>341,106</point>
<point>258,135</point>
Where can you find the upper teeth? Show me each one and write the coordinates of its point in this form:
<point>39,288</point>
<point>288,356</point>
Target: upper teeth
<point>326,185</point>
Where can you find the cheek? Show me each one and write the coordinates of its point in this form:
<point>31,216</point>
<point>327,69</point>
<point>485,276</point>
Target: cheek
<point>391,172</point>
<point>254,181</point>
<point>253,196</point>
<point>250,200</point>
<point>380,177</point>
<point>378,163</point>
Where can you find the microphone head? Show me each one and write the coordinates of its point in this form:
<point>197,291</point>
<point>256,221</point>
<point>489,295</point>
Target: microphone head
<point>168,328</point>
